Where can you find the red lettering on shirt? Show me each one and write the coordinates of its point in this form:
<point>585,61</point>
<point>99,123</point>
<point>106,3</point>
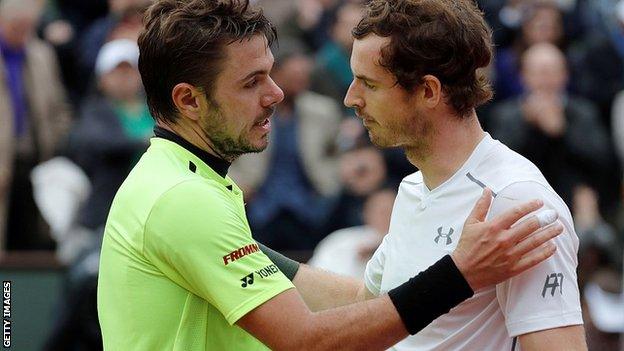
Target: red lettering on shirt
<point>240,253</point>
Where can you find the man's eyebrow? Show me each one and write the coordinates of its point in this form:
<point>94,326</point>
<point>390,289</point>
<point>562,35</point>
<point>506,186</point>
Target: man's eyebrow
<point>368,79</point>
<point>254,73</point>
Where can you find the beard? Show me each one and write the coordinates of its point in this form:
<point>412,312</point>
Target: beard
<point>229,146</point>
<point>413,132</point>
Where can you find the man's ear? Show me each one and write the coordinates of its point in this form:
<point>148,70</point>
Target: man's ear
<point>187,98</point>
<point>431,91</point>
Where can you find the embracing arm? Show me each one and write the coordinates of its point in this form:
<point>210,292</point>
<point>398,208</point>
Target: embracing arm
<point>487,252</point>
<point>285,323</point>
<point>490,252</point>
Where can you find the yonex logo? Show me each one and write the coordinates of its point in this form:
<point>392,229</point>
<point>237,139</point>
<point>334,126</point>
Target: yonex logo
<point>262,273</point>
<point>553,281</point>
<point>247,280</point>
<point>447,236</point>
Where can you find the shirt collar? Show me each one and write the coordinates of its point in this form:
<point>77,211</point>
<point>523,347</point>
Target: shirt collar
<point>219,165</point>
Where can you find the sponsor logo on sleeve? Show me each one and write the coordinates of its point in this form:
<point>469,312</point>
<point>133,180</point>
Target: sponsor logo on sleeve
<point>262,273</point>
<point>553,281</point>
<point>247,280</point>
<point>240,253</point>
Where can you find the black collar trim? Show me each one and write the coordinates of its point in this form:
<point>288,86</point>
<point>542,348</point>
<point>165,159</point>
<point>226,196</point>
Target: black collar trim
<point>217,164</point>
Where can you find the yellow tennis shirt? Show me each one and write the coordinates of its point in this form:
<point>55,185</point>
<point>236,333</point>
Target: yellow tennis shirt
<point>178,265</point>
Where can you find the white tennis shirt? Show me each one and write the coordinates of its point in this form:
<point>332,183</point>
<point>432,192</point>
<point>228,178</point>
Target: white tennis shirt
<point>426,225</point>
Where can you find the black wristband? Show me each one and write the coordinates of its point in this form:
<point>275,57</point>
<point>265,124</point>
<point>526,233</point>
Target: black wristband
<point>286,265</point>
<point>430,294</point>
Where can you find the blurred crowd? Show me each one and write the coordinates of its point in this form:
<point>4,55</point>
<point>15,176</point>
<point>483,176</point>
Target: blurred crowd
<point>74,121</point>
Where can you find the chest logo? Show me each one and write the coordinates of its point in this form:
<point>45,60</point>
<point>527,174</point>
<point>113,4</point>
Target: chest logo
<point>446,236</point>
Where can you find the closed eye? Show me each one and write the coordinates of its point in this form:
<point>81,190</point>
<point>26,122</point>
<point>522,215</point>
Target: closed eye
<point>252,83</point>
<point>369,86</point>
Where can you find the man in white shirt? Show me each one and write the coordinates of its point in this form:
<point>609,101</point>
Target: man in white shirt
<point>416,87</point>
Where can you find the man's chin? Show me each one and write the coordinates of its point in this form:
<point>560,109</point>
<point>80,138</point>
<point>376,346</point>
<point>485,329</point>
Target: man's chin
<point>377,141</point>
<point>258,147</point>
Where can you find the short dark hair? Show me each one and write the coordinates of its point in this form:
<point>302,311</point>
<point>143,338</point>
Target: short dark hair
<point>185,40</point>
<point>448,39</point>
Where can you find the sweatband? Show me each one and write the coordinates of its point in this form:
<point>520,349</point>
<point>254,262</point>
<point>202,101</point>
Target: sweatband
<point>430,294</point>
<point>286,265</point>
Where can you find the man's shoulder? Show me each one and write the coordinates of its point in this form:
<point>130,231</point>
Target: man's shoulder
<point>503,167</point>
<point>161,172</point>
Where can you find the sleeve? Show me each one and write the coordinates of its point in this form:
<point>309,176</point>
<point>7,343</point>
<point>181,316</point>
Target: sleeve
<point>197,235</point>
<point>546,296</point>
<point>375,267</point>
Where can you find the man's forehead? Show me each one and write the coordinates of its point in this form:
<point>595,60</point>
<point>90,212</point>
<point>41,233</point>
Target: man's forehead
<point>367,53</point>
<point>248,55</point>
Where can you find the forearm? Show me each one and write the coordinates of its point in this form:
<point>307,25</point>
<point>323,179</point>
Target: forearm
<point>285,323</point>
<point>322,290</point>
<point>319,289</point>
<point>368,325</point>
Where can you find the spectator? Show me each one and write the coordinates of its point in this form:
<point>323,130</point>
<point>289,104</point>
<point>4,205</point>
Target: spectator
<point>347,251</point>
<point>599,246</point>
<point>113,130</point>
<point>332,72</point>
<point>597,63</point>
<point>122,22</point>
<point>289,184</point>
<point>558,132</point>
<point>309,22</point>
<point>541,22</point>
<point>61,24</point>
<point>34,116</point>
<point>362,172</point>
<point>617,125</point>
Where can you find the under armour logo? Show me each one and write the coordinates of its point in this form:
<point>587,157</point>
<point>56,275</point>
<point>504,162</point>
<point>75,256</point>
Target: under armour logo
<point>552,282</point>
<point>247,280</point>
<point>444,235</point>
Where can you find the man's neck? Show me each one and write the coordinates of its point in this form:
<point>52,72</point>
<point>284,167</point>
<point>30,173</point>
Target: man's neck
<point>448,149</point>
<point>193,136</point>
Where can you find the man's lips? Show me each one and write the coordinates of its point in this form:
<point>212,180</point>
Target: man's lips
<point>364,117</point>
<point>264,124</point>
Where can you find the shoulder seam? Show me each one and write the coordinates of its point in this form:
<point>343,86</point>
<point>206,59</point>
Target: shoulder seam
<point>551,191</point>
<point>149,215</point>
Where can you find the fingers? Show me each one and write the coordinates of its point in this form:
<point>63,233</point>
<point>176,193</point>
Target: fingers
<point>480,209</point>
<point>509,217</point>
<point>536,240</point>
<point>535,257</point>
<point>522,230</point>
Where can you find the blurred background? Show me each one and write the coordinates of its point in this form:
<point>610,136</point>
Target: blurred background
<point>73,121</point>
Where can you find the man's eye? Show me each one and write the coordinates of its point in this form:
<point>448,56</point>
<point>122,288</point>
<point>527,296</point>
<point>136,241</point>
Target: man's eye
<point>372,87</point>
<point>252,84</point>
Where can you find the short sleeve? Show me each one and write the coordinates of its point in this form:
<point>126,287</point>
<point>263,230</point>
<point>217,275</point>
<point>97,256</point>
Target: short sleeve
<point>375,267</point>
<point>546,296</point>
<point>197,235</point>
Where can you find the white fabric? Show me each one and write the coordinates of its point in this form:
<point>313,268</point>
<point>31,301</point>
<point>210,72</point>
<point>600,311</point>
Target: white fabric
<point>494,315</point>
<point>59,188</point>
<point>114,53</point>
<point>339,252</point>
<point>606,309</point>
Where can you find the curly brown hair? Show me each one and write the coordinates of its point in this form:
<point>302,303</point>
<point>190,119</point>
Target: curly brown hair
<point>448,39</point>
<point>185,40</point>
